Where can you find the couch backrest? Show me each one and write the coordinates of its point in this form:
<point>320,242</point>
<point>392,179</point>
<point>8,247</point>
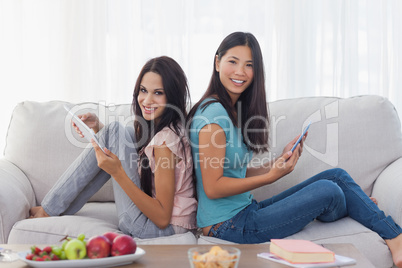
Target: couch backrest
<point>42,143</point>
<point>361,135</point>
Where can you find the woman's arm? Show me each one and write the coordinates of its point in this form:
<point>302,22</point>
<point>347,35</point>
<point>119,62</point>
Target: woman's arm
<point>212,149</point>
<point>158,209</point>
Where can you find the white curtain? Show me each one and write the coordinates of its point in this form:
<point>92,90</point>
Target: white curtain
<point>92,50</point>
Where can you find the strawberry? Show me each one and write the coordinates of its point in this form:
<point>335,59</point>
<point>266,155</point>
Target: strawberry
<point>54,257</point>
<point>47,258</point>
<point>42,253</point>
<point>48,249</point>
<point>37,258</point>
<point>29,256</point>
<point>35,250</point>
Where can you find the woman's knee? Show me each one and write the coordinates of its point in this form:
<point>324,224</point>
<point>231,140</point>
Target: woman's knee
<point>342,175</point>
<point>329,190</point>
<point>336,175</point>
<point>336,172</point>
<point>325,185</point>
<point>334,199</point>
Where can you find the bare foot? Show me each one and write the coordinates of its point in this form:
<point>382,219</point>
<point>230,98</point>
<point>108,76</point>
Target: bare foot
<point>37,212</point>
<point>395,245</point>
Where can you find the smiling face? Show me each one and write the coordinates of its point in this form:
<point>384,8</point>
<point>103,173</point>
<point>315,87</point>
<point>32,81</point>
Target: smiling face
<point>152,98</point>
<point>235,70</point>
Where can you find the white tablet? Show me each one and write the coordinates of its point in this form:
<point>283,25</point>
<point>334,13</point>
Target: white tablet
<point>86,131</point>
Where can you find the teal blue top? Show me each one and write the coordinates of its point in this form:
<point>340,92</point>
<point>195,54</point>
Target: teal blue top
<point>237,156</point>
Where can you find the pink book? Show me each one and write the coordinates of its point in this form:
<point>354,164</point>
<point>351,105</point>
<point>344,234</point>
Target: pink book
<point>300,251</point>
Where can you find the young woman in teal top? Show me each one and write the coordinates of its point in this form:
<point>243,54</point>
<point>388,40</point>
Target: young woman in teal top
<point>223,140</point>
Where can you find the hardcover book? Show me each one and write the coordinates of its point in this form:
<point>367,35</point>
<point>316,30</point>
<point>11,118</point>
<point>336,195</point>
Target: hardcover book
<point>300,251</point>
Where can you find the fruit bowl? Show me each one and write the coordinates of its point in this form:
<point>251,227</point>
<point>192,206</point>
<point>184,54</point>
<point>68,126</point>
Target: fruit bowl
<point>84,263</point>
<point>215,256</point>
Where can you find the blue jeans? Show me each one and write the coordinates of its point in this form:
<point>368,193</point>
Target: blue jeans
<point>84,178</point>
<point>328,196</point>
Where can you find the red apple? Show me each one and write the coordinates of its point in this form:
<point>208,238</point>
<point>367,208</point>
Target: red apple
<point>98,247</point>
<point>111,236</point>
<point>123,244</point>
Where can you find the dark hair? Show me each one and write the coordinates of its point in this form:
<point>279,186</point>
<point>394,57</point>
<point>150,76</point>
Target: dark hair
<point>252,102</point>
<point>177,94</point>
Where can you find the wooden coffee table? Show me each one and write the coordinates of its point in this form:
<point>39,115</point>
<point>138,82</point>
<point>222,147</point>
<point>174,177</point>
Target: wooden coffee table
<point>176,256</point>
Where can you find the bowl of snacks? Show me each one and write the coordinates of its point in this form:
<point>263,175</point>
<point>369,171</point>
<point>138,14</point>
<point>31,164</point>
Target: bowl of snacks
<point>215,256</point>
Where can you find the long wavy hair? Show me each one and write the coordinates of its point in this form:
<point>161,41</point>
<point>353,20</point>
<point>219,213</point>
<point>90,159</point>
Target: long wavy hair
<point>252,104</point>
<point>177,94</point>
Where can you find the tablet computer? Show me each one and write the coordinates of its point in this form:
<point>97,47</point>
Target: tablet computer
<point>86,131</point>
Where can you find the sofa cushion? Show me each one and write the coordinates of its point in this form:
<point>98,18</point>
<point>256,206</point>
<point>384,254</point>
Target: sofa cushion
<point>51,230</point>
<point>344,133</point>
<point>94,218</point>
<point>41,142</point>
<point>105,211</point>
<point>187,238</point>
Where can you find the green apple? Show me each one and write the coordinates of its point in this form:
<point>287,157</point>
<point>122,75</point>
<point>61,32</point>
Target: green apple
<point>75,249</point>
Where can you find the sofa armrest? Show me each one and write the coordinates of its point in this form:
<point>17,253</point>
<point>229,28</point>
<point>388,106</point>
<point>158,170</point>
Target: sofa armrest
<point>16,197</point>
<point>388,190</point>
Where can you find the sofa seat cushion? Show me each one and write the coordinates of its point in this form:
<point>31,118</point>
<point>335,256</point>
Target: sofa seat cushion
<point>94,218</point>
<point>51,230</point>
<point>105,211</point>
<point>187,238</point>
<point>345,230</point>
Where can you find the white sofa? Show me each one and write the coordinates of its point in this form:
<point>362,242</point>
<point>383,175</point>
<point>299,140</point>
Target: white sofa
<point>361,135</point>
